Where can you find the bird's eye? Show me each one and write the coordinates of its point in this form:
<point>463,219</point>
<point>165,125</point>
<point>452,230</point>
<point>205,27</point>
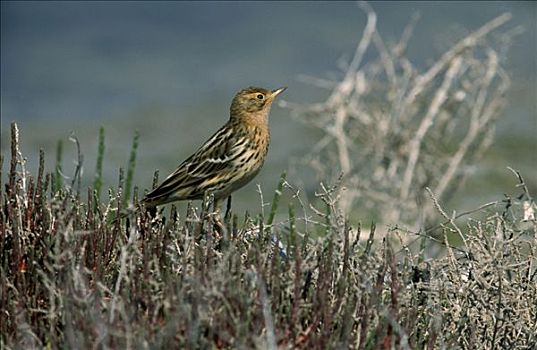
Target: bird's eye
<point>260,96</point>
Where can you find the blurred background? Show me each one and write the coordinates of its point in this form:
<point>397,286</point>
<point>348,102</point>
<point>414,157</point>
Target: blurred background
<point>170,70</point>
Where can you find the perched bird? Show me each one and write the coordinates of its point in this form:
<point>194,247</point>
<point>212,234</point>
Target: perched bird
<point>229,159</point>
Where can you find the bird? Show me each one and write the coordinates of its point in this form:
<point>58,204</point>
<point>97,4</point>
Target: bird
<point>229,159</point>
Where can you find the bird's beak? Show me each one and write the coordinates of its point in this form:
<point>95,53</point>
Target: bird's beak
<point>278,91</point>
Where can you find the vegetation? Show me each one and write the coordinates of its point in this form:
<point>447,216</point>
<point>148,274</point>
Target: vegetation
<point>394,127</point>
<point>75,277</point>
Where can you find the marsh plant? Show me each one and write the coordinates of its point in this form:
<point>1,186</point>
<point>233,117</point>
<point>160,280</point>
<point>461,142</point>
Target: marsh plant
<point>73,275</point>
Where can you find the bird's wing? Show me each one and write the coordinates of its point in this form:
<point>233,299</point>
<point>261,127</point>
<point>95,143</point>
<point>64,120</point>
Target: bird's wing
<point>200,171</point>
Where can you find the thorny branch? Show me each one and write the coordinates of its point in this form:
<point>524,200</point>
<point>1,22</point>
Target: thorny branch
<point>393,128</point>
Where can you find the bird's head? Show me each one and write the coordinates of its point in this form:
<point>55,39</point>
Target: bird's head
<point>253,102</point>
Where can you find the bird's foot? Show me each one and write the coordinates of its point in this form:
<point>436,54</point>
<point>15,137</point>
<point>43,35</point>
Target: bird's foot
<point>218,226</point>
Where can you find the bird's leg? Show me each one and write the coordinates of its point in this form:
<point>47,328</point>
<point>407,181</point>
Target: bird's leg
<point>218,224</point>
<point>228,209</point>
<point>152,211</point>
<point>216,206</point>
